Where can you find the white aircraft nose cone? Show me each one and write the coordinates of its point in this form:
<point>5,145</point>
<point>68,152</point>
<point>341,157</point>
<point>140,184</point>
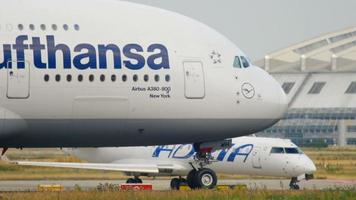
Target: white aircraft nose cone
<point>273,92</point>
<point>282,99</point>
<point>278,97</point>
<point>310,167</point>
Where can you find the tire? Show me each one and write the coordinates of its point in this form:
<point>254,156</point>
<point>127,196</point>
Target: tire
<point>295,187</point>
<point>206,179</point>
<point>183,181</point>
<point>175,183</point>
<point>191,179</point>
<point>131,180</point>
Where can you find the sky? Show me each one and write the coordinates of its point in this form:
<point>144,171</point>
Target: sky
<point>262,26</point>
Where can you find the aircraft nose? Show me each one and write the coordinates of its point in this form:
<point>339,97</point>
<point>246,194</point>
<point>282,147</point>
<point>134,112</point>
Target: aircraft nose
<point>281,95</point>
<point>273,95</point>
<point>309,166</point>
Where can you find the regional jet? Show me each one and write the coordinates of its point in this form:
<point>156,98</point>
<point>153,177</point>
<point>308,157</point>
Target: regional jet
<point>246,156</point>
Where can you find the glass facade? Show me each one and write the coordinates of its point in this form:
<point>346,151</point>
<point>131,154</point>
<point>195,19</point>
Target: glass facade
<point>351,89</point>
<point>316,88</point>
<point>287,86</point>
<point>308,125</point>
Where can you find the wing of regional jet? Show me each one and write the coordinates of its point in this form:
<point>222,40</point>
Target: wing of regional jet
<point>127,166</point>
<point>135,168</point>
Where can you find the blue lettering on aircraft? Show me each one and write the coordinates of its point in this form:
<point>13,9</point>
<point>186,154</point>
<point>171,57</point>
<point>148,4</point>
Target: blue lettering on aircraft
<point>159,149</point>
<point>243,151</point>
<point>178,152</point>
<point>188,154</point>
<point>83,56</point>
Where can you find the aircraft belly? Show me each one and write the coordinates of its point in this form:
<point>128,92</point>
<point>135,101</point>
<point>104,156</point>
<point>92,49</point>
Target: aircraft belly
<point>123,132</point>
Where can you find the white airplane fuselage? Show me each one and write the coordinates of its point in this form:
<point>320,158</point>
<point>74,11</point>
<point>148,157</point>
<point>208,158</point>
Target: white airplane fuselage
<point>111,73</point>
<point>247,156</point>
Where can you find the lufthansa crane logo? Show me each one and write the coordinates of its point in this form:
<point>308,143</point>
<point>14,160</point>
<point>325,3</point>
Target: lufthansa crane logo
<point>215,57</point>
<point>248,90</point>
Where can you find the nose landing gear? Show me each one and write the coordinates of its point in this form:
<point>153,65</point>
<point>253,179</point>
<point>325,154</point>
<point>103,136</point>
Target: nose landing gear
<point>294,184</point>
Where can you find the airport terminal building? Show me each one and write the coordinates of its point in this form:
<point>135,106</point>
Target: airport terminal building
<point>319,78</point>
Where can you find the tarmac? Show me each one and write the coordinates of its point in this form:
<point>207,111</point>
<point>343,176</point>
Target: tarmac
<point>31,185</point>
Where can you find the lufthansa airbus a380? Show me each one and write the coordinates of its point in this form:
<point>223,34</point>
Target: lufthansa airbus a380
<point>106,73</point>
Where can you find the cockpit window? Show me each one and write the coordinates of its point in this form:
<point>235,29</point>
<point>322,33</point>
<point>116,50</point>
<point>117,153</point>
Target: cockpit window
<point>245,62</point>
<point>287,150</point>
<point>277,150</point>
<point>237,62</point>
<point>293,151</point>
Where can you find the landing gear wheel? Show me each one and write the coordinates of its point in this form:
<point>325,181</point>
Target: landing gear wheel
<point>130,180</point>
<point>206,179</point>
<point>295,187</point>
<point>202,179</point>
<point>294,184</point>
<point>183,181</point>
<point>175,183</point>
<point>134,180</point>
<point>191,179</point>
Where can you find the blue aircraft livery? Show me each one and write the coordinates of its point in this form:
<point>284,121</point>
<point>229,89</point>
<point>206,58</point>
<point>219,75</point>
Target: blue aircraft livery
<point>84,55</point>
<point>178,152</point>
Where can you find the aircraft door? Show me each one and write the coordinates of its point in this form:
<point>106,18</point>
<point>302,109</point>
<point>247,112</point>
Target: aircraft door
<point>256,157</point>
<point>18,80</point>
<point>194,80</point>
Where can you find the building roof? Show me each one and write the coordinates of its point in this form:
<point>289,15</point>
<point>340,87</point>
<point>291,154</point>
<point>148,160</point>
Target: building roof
<point>333,52</point>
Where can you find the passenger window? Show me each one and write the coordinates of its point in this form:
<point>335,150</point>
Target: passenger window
<point>20,27</point>
<point>277,150</point>
<point>113,78</point>
<point>32,27</point>
<point>69,78</point>
<point>76,27</point>
<point>135,78</point>
<point>46,77</point>
<point>237,62</point>
<point>168,78</point>
<point>43,27</point>
<point>80,78</point>
<point>156,77</point>
<point>91,77</point>
<point>245,62</point>
<point>102,78</point>
<point>58,77</point>
<point>65,27</point>
<point>124,78</point>
<point>54,27</point>
<point>145,78</point>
